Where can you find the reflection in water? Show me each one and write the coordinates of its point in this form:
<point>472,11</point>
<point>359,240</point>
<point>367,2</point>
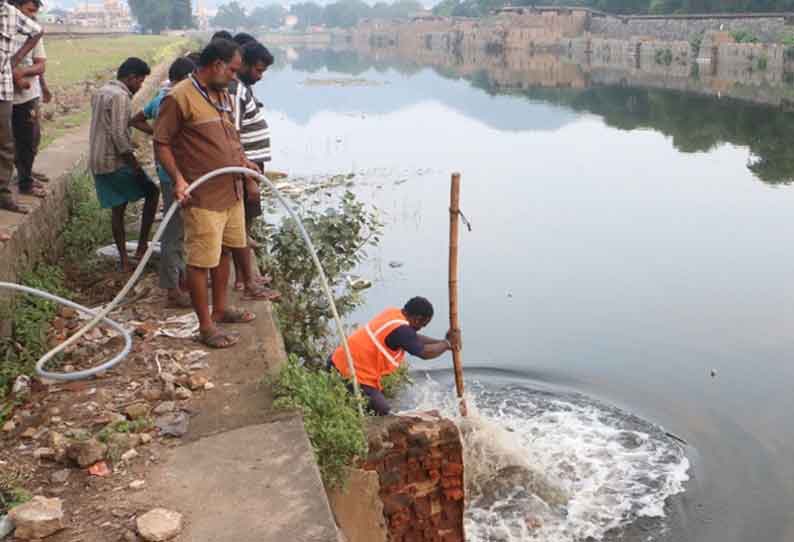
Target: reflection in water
<point>603,262</point>
<point>696,122</point>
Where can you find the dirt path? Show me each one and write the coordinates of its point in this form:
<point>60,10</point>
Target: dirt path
<point>211,391</point>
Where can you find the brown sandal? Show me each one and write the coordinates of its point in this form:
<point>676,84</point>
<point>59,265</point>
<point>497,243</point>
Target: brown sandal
<point>36,191</point>
<point>236,316</point>
<point>218,339</point>
<point>262,293</point>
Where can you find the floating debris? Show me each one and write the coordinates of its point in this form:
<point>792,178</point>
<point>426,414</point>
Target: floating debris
<point>358,283</point>
<point>396,265</point>
<point>342,82</point>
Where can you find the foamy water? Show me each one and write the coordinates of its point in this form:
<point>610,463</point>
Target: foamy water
<point>561,467</point>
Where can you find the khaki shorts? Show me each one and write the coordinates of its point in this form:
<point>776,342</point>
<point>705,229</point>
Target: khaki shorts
<point>206,232</point>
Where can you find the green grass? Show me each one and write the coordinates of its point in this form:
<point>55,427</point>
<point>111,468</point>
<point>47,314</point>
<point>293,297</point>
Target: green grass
<point>88,226</point>
<point>71,61</point>
<point>330,416</point>
<point>30,318</point>
<point>11,497</point>
<point>63,124</point>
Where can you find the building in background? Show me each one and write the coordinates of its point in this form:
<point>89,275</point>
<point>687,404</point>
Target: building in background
<point>113,14</point>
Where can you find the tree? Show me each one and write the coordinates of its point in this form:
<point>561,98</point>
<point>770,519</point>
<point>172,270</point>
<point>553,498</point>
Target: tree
<point>153,15</point>
<point>308,14</point>
<point>181,14</point>
<point>271,16</point>
<point>230,16</point>
<point>346,13</point>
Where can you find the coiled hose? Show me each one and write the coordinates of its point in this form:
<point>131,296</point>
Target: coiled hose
<point>102,316</point>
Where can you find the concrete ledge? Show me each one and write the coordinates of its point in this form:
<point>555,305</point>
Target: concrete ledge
<point>255,484</point>
<point>36,237</point>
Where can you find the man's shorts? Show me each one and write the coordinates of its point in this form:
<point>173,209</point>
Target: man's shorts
<point>122,186</point>
<point>207,232</point>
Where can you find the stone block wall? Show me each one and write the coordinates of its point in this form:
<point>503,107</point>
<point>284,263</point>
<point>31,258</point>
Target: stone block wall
<point>418,462</point>
<point>767,29</point>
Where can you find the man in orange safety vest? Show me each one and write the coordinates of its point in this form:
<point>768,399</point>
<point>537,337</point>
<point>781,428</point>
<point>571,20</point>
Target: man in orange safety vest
<point>379,348</point>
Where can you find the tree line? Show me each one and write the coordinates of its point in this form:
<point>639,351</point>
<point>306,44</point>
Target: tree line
<point>479,8</point>
<point>156,15</point>
<point>339,14</point>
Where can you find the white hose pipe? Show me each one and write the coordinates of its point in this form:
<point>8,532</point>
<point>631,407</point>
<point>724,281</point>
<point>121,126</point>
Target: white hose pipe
<point>101,316</point>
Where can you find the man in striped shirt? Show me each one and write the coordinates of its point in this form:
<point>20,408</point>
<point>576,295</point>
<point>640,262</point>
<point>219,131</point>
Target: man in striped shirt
<point>254,136</point>
<point>12,22</point>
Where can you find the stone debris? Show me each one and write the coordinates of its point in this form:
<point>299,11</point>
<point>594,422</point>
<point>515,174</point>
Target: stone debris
<point>209,386</point>
<point>59,445</point>
<point>137,411</point>
<point>100,469</point>
<point>60,476</point>
<point>9,426</point>
<point>159,525</point>
<point>137,484</point>
<point>197,382</point>
<point>129,455</point>
<point>21,386</point>
<point>38,518</point>
<point>164,408</point>
<point>86,453</point>
<point>183,393</point>
<point>174,424</point>
<point>44,453</point>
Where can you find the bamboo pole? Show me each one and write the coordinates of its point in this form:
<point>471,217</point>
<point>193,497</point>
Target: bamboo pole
<point>454,324</point>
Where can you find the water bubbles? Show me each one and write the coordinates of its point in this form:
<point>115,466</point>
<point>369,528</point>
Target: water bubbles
<point>544,466</point>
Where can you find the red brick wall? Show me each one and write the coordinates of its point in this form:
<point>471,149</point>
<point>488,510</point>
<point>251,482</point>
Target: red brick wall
<point>419,461</point>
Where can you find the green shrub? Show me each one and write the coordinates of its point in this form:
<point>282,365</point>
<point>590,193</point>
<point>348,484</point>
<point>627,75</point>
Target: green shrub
<point>30,317</point>
<point>664,56</point>
<point>11,497</point>
<point>694,43</point>
<point>743,36</point>
<point>394,383</point>
<point>89,225</point>
<point>340,238</point>
<point>330,415</point>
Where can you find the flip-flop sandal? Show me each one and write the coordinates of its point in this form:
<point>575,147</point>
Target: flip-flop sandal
<point>218,339</point>
<point>35,191</point>
<point>14,207</point>
<point>233,315</point>
<point>262,293</point>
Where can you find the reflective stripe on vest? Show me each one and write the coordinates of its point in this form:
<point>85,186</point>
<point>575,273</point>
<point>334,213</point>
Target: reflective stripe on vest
<point>374,337</point>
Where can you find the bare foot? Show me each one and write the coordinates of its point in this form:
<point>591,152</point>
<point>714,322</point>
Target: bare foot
<point>4,237</point>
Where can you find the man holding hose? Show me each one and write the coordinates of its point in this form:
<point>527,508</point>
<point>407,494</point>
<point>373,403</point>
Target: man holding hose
<point>194,135</point>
